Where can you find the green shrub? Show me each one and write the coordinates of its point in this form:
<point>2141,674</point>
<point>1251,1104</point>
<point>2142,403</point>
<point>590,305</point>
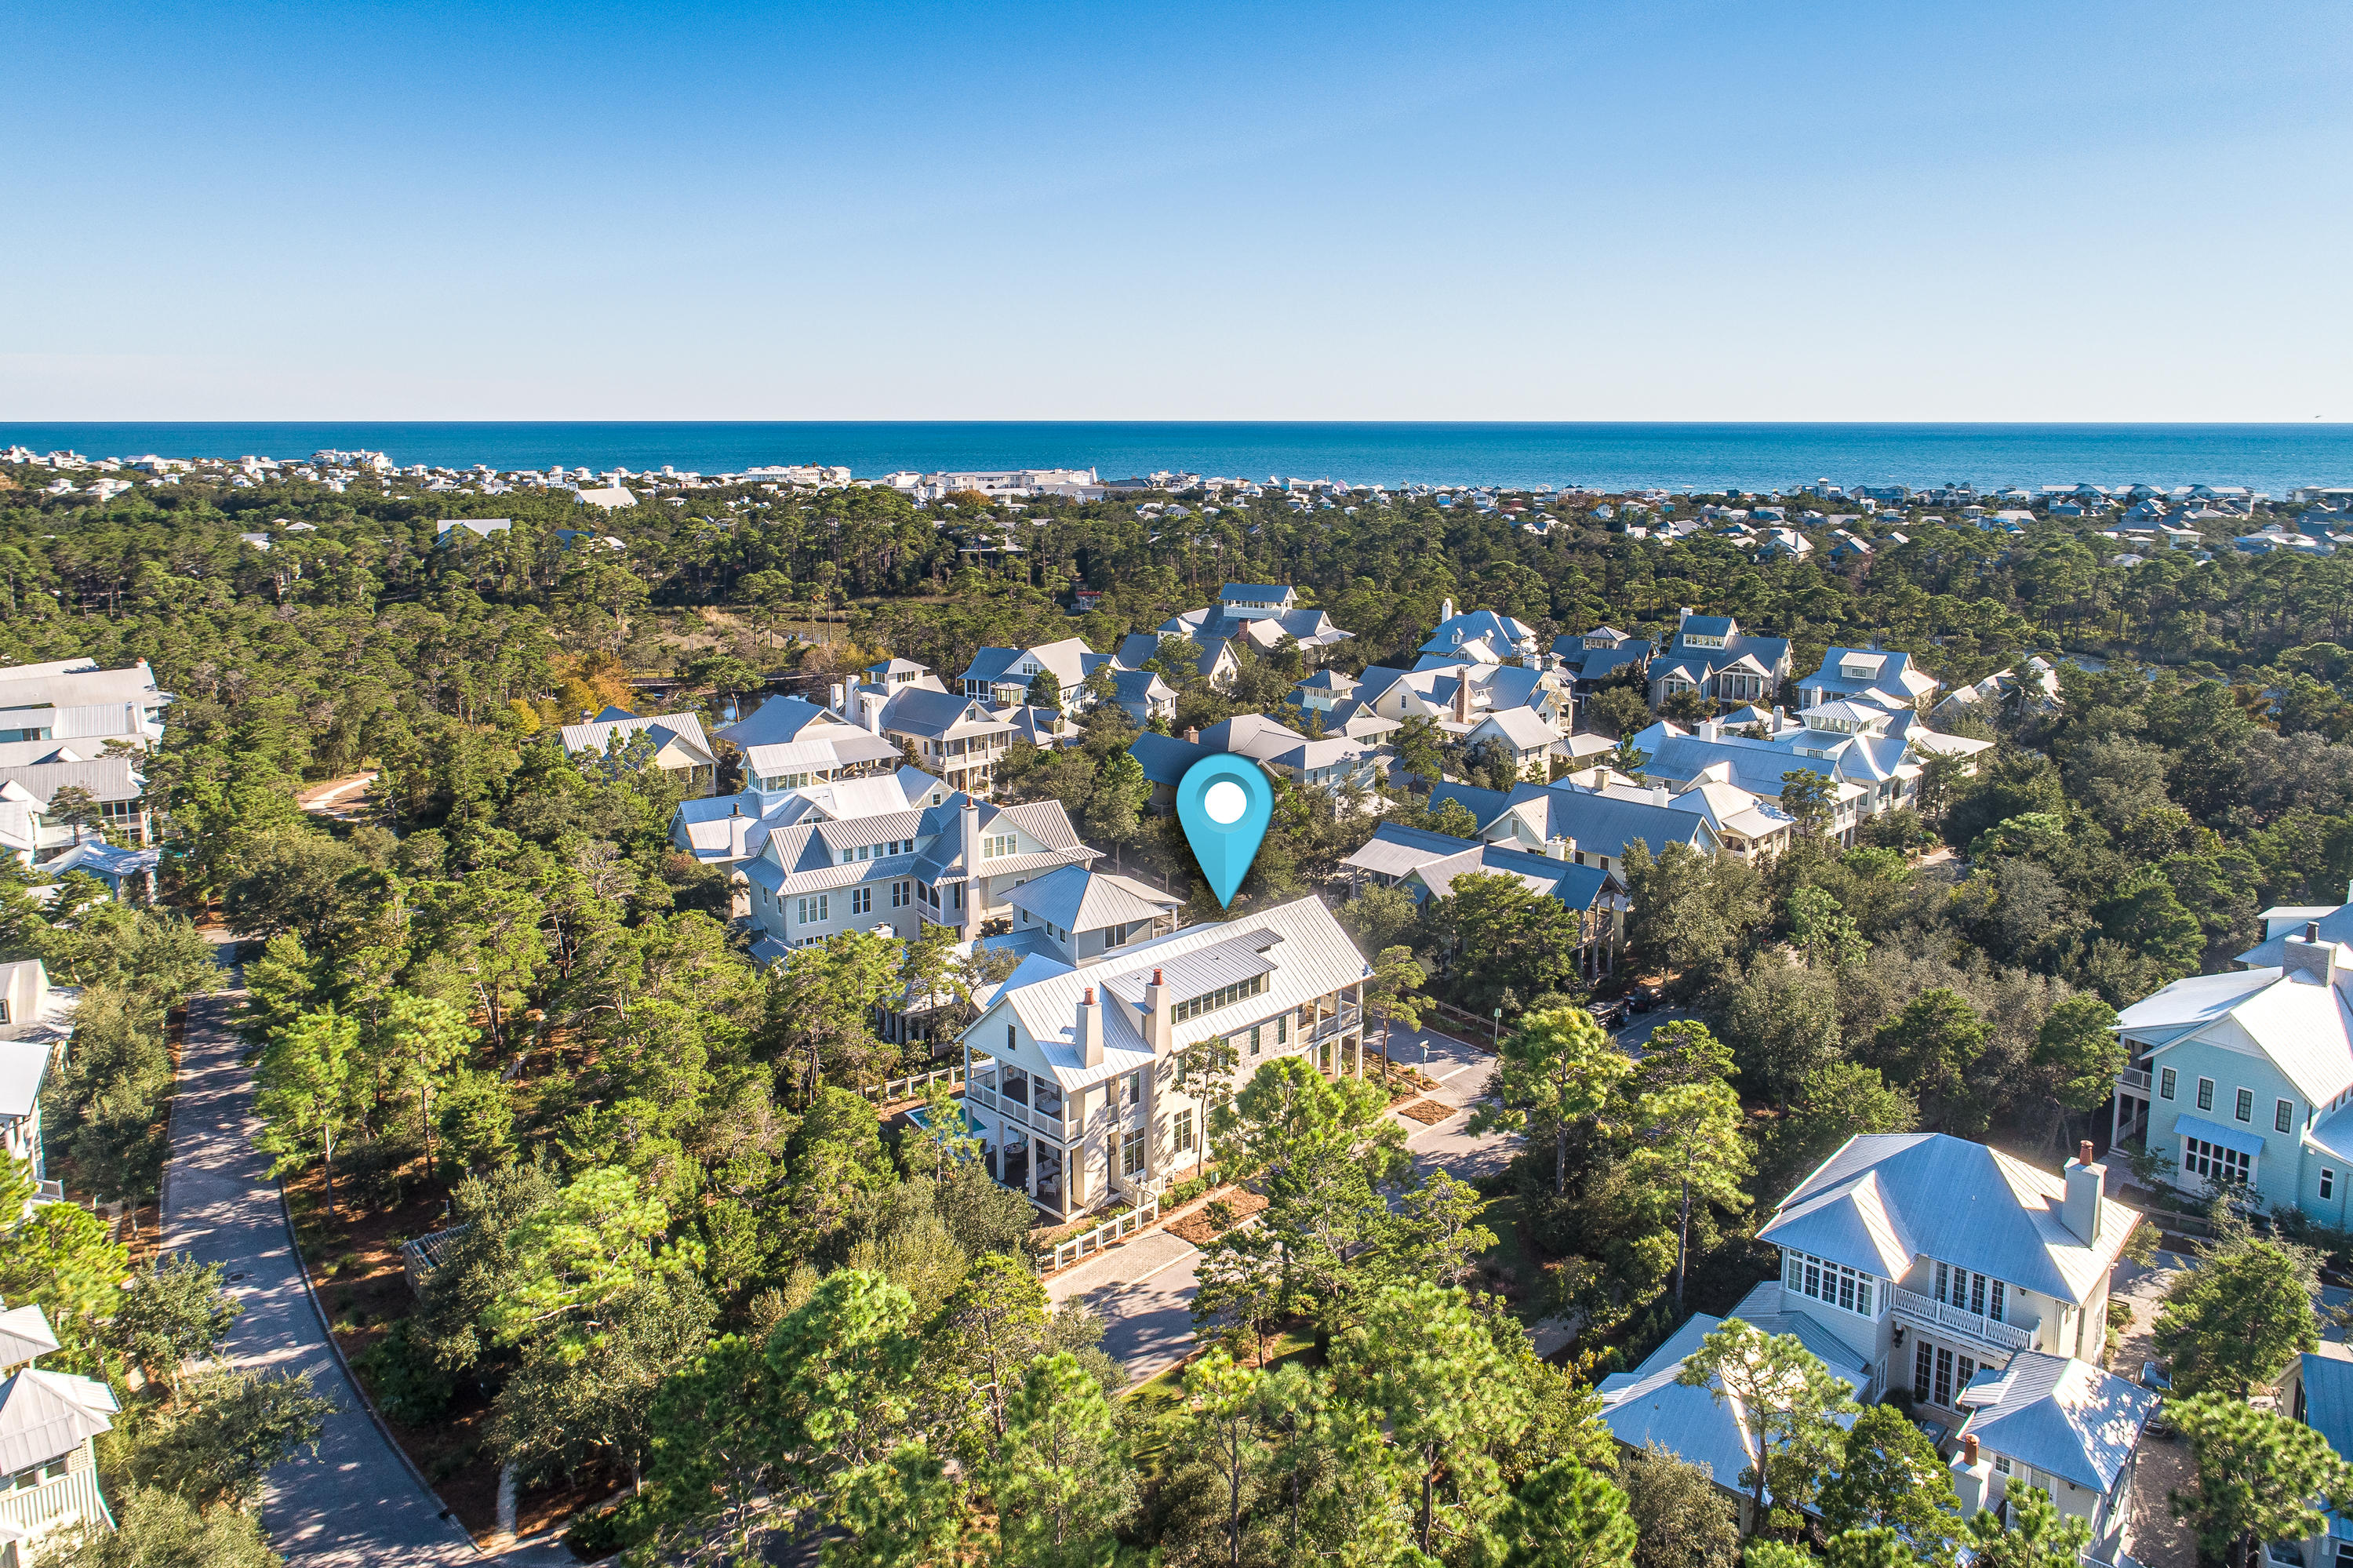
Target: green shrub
<point>600,1535</point>
<point>402,1379</point>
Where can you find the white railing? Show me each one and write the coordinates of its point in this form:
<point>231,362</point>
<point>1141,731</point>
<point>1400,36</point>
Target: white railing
<point>1087,1242</point>
<point>2133,1078</point>
<point>73,1498</point>
<point>1933,1314</point>
<point>893,1090</point>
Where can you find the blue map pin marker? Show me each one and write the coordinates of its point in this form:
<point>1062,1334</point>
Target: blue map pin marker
<point>1225,803</point>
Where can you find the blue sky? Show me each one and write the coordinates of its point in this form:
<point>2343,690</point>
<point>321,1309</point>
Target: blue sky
<point>1630,210</point>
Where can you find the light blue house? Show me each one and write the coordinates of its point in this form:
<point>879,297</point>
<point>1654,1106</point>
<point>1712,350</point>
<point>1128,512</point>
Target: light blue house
<point>2245,1079</point>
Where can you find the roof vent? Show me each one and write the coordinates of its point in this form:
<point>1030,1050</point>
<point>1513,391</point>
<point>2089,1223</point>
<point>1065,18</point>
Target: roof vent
<point>2312,930</point>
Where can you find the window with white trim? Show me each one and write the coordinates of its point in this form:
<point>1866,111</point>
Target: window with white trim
<point>1832,1283</point>
<point>861,901</point>
<point>2242,1105</point>
<point>2215,1162</point>
<point>2205,1094</point>
<point>2283,1115</point>
<point>2166,1080</point>
<point>807,911</point>
<point>2328,1182</point>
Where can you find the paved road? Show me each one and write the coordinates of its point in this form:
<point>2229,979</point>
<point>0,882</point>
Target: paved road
<point>355,1503</point>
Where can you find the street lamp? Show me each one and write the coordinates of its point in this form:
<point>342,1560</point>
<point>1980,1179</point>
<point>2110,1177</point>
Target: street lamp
<point>1499,1028</point>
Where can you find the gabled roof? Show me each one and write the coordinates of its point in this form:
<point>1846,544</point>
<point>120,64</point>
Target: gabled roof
<point>2301,1023</point>
<point>24,1064</point>
<point>1300,948</point>
<point>1602,824</point>
<point>1524,727</point>
<point>107,778</point>
<point>2328,1400</point>
<point>778,720</point>
<point>937,714</point>
<point>46,1416</point>
<point>25,1334</point>
<point>664,730</point>
<point>1165,758</point>
<point>1253,735</point>
<point>2336,926</point>
<point>2066,1417</point>
<point>1884,1199</point>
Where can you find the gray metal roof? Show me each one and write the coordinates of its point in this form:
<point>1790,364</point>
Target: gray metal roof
<point>1648,1405</point>
<point>1312,958</point>
<point>661,729</point>
<point>25,1333</point>
<point>23,1065</point>
<point>2060,1416</point>
<point>1077,899</point>
<point>1884,1199</point>
<point>1204,970</point>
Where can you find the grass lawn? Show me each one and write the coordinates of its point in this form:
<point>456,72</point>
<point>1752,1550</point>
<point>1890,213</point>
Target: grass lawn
<point>1158,1398</point>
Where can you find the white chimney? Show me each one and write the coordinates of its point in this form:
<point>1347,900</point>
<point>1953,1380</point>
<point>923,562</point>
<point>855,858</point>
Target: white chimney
<point>2080,1210</point>
<point>1709,729</point>
<point>873,715</point>
<point>1658,794</point>
<point>1445,611</point>
<point>1682,615</point>
<point>1972,1477</point>
<point>1159,1015</point>
<point>1090,1031</point>
<point>834,699</point>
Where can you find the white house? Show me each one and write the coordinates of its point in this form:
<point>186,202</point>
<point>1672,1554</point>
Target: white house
<point>49,1422</point>
<point>679,745</point>
<point>36,1020</point>
<point>2063,1426</point>
<point>954,863</point>
<point>1073,1070</point>
<point>1934,1259</point>
<point>73,699</point>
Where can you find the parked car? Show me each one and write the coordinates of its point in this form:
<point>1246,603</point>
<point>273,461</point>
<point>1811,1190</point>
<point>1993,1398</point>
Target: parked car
<point>2153,1376</point>
<point>1608,1014</point>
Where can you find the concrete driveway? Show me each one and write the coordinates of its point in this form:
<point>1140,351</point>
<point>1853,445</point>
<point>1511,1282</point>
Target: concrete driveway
<point>1143,1291</point>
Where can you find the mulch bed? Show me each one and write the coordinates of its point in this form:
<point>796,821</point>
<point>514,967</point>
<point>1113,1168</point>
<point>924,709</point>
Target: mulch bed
<point>1430,1113</point>
<point>1196,1226</point>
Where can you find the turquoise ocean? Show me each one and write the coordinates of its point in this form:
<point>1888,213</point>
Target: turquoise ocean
<point>2270,458</point>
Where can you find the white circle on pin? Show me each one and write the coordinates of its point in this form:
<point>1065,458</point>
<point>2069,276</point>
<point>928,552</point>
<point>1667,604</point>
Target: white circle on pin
<point>1225,801</point>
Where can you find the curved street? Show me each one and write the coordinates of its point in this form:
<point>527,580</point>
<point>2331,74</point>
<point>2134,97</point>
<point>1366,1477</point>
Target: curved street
<point>355,1501</point>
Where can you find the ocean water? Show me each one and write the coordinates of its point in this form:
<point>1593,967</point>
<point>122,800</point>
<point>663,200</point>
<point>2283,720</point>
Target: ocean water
<point>2270,458</point>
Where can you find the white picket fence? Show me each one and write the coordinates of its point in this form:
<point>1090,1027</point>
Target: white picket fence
<point>893,1090</point>
<point>1087,1242</point>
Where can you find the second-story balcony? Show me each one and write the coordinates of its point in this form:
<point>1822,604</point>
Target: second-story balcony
<point>2133,1078</point>
<point>1346,1017</point>
<point>1943,1317</point>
